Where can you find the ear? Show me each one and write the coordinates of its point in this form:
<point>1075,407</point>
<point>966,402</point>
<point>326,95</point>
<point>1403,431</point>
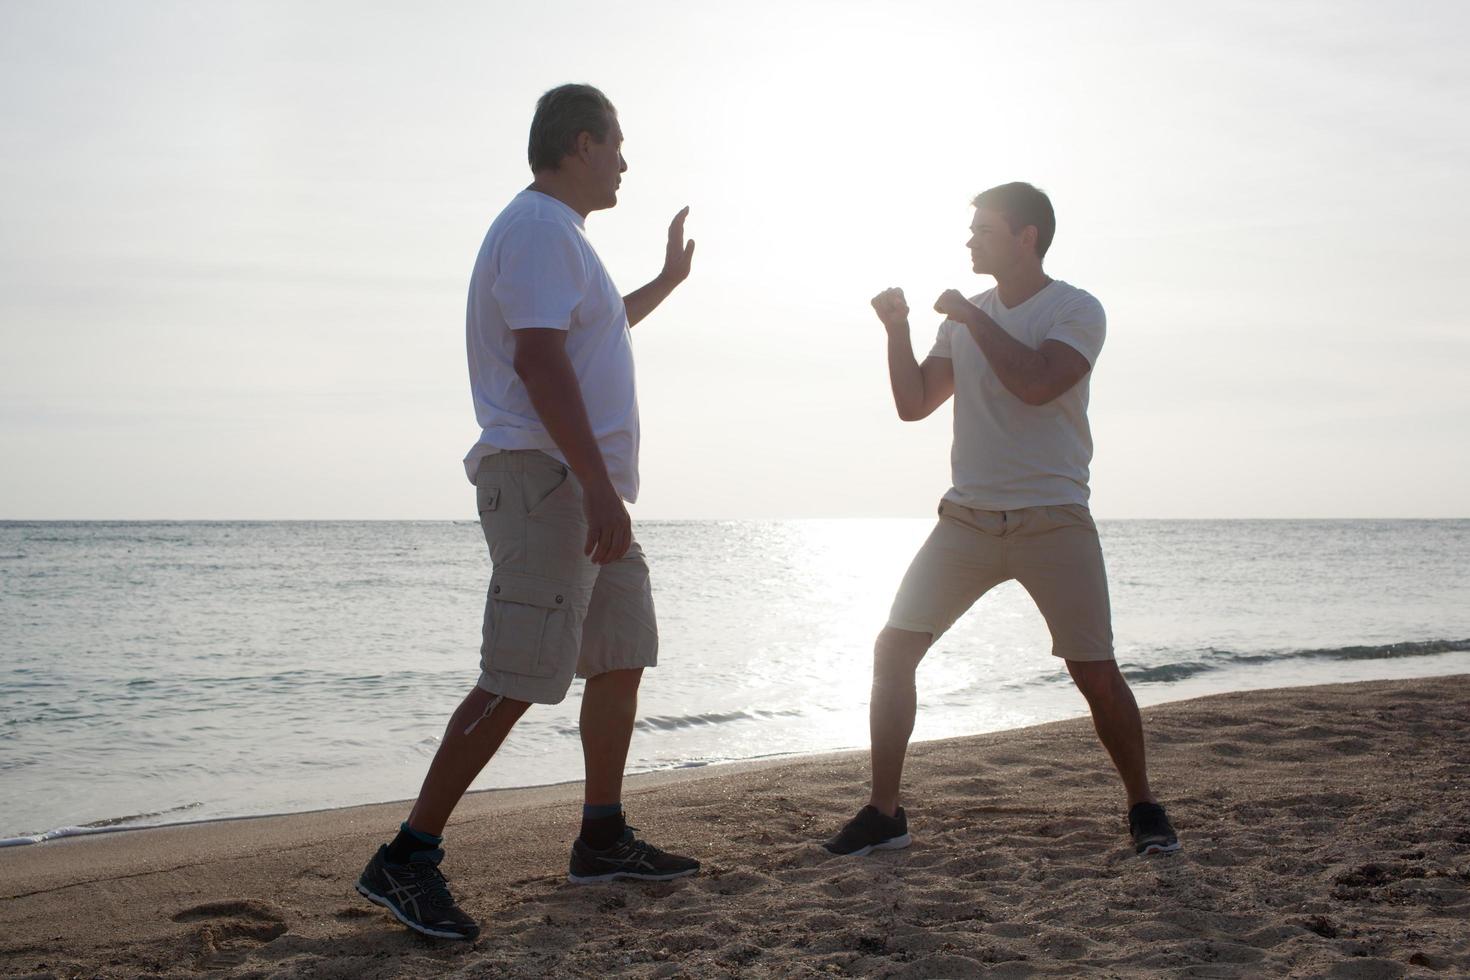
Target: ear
<point>1029,234</point>
<point>584,144</point>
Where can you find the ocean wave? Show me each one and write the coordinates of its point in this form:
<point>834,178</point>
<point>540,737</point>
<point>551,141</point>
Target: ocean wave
<point>105,826</point>
<point>667,723</point>
<point>672,723</point>
<point>1212,659</point>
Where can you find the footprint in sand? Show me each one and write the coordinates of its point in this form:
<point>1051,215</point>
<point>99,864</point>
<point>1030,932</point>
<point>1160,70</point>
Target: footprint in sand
<point>350,912</point>
<point>228,932</point>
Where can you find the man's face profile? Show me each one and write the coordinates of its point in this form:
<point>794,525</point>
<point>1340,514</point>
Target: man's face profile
<point>993,246</point>
<point>606,164</point>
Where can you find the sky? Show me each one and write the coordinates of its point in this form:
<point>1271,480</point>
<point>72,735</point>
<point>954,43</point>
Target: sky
<point>235,241</point>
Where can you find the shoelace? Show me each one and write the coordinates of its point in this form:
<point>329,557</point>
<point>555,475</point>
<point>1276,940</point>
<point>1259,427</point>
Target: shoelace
<point>435,885</point>
<point>642,845</point>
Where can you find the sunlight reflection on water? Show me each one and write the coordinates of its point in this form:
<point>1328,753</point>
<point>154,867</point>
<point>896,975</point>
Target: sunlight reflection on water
<point>247,668</point>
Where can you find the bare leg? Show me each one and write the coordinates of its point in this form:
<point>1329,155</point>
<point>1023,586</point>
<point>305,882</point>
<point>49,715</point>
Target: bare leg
<point>609,709</point>
<point>891,711</point>
<point>461,757</point>
<point>1115,716</point>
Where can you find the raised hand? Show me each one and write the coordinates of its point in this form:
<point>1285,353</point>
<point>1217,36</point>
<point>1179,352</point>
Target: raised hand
<point>952,303</point>
<point>678,255</point>
<point>892,308</point>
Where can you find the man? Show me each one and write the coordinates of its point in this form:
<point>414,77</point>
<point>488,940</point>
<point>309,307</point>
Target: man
<point>1017,359</point>
<point>551,371</point>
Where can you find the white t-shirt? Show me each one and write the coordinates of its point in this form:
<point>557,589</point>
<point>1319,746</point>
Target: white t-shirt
<point>1007,454</point>
<point>536,268</point>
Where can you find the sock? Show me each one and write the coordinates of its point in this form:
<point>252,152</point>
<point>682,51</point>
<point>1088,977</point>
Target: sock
<point>602,825</point>
<point>410,841</point>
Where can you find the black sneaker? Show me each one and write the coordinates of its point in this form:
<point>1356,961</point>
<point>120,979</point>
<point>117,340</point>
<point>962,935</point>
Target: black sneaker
<point>1151,830</point>
<point>417,894</point>
<point>871,831</point>
<point>628,858</point>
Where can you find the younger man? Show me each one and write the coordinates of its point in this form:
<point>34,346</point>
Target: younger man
<point>1017,359</point>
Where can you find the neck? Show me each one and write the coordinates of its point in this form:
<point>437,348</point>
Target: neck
<point>1019,286</point>
<point>553,184</point>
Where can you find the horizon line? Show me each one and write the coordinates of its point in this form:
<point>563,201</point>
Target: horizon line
<point>644,520</point>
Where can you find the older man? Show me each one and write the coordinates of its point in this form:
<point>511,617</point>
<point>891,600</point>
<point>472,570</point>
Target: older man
<point>551,371</point>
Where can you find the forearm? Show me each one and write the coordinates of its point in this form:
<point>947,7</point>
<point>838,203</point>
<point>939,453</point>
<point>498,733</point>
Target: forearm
<point>642,301</point>
<point>557,398</point>
<point>1020,369</point>
<point>904,374</point>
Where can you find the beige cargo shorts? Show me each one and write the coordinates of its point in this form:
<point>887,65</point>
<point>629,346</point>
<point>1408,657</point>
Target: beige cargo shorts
<point>1053,552</point>
<point>550,613</point>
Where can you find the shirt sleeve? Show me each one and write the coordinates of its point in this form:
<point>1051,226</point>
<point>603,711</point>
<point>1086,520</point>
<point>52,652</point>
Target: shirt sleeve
<point>943,340</point>
<point>1082,326</point>
<point>541,276</point>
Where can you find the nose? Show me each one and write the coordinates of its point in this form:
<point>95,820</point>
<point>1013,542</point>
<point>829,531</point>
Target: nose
<point>622,164</point>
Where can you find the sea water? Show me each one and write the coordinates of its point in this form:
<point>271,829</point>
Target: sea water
<point>159,672</point>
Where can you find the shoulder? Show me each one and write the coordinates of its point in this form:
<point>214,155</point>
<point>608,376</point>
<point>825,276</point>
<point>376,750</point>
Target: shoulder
<point>1073,303</point>
<point>1076,298</point>
<point>532,231</point>
<point>980,299</point>
<point>531,209</point>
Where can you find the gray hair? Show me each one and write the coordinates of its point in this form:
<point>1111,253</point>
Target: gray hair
<point>561,115</point>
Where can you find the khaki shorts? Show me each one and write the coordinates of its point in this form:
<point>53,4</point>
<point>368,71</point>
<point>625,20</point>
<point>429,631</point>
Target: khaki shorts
<point>1052,551</point>
<point>550,612</point>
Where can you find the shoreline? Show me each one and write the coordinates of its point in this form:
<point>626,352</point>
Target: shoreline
<point>1187,689</point>
<point>656,776</point>
<point>1326,831</point>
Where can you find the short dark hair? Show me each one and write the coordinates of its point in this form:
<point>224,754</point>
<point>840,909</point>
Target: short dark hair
<point>561,115</point>
<point>1022,205</point>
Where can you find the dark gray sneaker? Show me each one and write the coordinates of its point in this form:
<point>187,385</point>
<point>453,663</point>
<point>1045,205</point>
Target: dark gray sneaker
<point>417,894</point>
<point>1151,831</point>
<point>871,830</point>
<point>628,858</point>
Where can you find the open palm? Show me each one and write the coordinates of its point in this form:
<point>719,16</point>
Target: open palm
<point>678,255</point>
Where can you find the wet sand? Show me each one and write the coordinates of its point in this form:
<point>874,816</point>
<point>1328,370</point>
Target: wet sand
<point>1326,833</point>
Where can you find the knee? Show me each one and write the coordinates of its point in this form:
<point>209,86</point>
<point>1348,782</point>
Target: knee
<point>1097,680</point>
<point>896,656</point>
<point>618,681</point>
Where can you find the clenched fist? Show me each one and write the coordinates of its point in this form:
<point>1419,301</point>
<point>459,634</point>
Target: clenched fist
<point>952,303</point>
<point>892,308</point>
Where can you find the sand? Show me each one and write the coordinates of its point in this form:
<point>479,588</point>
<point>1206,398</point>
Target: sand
<point>1326,833</point>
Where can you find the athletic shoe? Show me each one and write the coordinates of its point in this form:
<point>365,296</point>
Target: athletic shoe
<point>1151,830</point>
<point>417,894</point>
<point>628,858</point>
<point>871,830</point>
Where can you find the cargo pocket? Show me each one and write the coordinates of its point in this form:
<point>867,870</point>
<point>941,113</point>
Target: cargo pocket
<point>542,478</point>
<point>527,631</point>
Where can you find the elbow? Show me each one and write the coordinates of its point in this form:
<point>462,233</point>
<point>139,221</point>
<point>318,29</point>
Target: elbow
<point>1038,395</point>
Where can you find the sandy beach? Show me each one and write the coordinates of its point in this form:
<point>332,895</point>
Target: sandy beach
<point>1326,833</point>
